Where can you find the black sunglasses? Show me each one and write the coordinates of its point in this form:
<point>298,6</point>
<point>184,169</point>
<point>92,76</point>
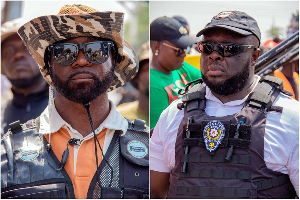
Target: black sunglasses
<point>95,52</point>
<point>224,49</point>
<point>177,49</point>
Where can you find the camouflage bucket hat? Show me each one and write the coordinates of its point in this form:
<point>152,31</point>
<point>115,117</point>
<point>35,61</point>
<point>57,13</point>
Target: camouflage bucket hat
<point>76,21</point>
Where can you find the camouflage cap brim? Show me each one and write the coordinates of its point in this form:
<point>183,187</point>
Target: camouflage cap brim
<point>40,32</point>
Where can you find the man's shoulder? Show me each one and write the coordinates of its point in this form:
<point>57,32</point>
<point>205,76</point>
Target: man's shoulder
<point>290,112</point>
<point>289,104</point>
<point>171,114</point>
<point>18,127</point>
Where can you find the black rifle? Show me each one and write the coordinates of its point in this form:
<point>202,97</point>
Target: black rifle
<point>276,52</point>
<point>279,62</point>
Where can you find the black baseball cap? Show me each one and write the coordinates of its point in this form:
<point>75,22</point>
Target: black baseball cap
<point>236,21</point>
<point>166,28</point>
<point>181,20</point>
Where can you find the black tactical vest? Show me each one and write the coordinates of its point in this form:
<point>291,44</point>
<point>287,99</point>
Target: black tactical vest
<point>223,157</point>
<point>30,169</point>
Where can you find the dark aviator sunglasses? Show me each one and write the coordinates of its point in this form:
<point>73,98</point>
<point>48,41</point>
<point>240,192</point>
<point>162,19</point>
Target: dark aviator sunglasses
<point>95,52</point>
<point>224,49</point>
<point>177,49</point>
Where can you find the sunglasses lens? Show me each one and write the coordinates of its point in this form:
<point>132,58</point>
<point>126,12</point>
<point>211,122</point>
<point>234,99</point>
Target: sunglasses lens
<point>96,52</point>
<point>64,54</point>
<point>230,50</point>
<point>224,50</point>
<point>205,48</point>
<point>180,52</point>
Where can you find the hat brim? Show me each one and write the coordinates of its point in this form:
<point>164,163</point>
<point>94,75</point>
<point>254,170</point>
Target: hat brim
<point>231,28</point>
<point>5,36</point>
<point>184,41</point>
<point>39,33</point>
<point>125,70</point>
<point>10,28</point>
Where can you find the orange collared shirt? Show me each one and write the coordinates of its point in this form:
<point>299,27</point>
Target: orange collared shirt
<point>86,159</point>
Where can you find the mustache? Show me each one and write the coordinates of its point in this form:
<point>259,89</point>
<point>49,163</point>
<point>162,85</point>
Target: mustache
<point>82,72</point>
<point>20,61</point>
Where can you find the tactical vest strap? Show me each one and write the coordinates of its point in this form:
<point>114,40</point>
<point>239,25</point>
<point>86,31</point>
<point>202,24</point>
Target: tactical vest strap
<point>111,193</point>
<point>271,183</point>
<point>50,189</point>
<point>196,127</point>
<point>126,193</point>
<point>138,125</point>
<point>276,109</point>
<point>290,194</point>
<point>264,95</point>
<point>197,138</point>
<point>191,100</point>
<point>217,173</point>
<point>242,143</point>
<point>212,191</point>
<point>192,105</point>
<point>15,127</point>
<point>135,194</point>
<point>278,82</point>
<point>272,79</point>
<point>194,95</point>
<point>9,153</point>
<point>218,158</point>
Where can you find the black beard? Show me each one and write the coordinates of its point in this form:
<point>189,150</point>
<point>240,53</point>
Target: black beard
<point>82,92</point>
<point>231,85</point>
<point>25,83</point>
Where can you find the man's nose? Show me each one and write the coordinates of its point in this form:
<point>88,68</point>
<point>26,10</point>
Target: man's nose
<point>215,56</point>
<point>183,54</point>
<point>20,53</point>
<point>81,60</point>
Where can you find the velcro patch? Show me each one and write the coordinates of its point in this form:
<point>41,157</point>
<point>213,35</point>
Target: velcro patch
<point>29,152</point>
<point>137,149</point>
<point>213,133</point>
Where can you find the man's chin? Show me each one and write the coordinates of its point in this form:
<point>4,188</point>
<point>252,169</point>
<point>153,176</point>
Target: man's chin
<point>25,83</point>
<point>82,86</point>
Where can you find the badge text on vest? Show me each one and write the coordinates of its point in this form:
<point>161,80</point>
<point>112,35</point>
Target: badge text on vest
<point>29,152</point>
<point>137,149</point>
<point>213,133</point>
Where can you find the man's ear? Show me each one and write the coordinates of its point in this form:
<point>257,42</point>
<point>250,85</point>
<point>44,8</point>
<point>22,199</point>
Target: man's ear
<point>255,56</point>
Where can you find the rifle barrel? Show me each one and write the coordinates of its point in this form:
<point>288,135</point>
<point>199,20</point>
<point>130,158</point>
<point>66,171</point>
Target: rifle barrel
<point>276,52</point>
<point>279,62</point>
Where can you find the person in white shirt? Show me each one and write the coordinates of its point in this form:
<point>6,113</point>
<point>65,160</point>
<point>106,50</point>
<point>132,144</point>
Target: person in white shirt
<point>204,157</point>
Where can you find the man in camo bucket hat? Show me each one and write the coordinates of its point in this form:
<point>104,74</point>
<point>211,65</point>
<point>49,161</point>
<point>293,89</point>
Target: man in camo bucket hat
<point>76,21</point>
<point>80,146</point>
